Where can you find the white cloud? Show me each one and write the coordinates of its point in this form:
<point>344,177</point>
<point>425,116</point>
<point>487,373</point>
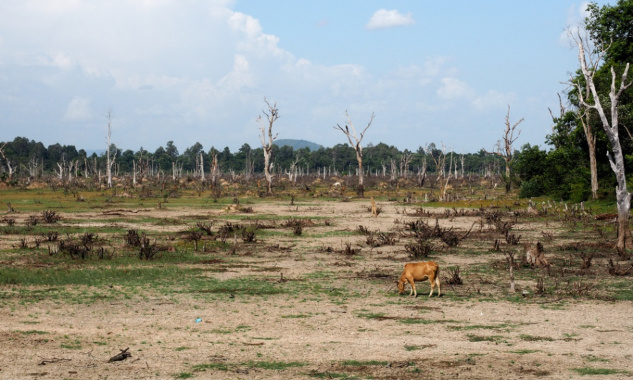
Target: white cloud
<point>384,19</point>
<point>576,15</point>
<point>453,88</point>
<point>79,109</point>
<point>493,99</point>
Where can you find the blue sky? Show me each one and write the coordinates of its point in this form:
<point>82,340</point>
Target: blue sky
<point>198,71</point>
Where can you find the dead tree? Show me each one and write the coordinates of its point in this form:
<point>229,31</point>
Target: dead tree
<point>405,161</point>
<point>440,160</point>
<point>355,143</point>
<point>507,153</point>
<point>215,169</point>
<point>11,169</point>
<point>422,171</point>
<point>109,159</point>
<point>272,115</point>
<point>589,66</point>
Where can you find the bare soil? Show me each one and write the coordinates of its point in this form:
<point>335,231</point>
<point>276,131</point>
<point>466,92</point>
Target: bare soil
<point>473,331</point>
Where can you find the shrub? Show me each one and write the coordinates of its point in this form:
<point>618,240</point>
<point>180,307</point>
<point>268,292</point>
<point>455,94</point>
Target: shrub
<point>532,187</point>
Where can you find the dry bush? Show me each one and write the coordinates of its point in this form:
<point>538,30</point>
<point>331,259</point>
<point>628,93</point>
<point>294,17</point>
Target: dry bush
<point>79,247</point>
<point>617,270</point>
<point>454,278</point>
<point>548,237</point>
<point>586,261</point>
<point>132,238</point>
<point>193,235</point>
<point>32,221</point>
<point>348,250</point>
<point>147,251</point>
<point>380,238</point>
<point>450,238</point>
<point>205,227</point>
<point>51,235</point>
<point>227,230</point>
<point>512,239</point>
<point>50,216</point>
<point>421,248</point>
<point>249,234</point>
<point>362,230</point>
<point>539,287</point>
<point>9,221</point>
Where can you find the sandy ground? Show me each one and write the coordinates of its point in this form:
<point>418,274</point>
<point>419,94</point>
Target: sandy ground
<point>373,334</point>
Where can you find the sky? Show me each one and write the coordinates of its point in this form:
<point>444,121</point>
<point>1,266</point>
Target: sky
<point>188,71</point>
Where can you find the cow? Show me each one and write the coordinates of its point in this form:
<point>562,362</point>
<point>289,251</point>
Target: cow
<point>418,272</point>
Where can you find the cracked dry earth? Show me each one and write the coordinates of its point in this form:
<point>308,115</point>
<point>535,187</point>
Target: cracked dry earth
<point>336,316</point>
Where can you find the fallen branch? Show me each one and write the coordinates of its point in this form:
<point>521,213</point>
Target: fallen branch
<point>53,360</point>
<point>124,354</point>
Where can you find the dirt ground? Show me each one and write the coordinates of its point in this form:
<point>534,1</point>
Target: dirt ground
<point>372,334</point>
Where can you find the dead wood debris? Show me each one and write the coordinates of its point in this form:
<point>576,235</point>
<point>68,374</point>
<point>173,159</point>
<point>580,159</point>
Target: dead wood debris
<point>124,354</point>
<point>53,360</point>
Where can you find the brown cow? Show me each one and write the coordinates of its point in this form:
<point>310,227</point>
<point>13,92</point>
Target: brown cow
<point>418,272</point>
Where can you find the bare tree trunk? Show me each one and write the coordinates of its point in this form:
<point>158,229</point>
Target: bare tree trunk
<point>9,167</point>
<point>267,146</point>
<point>591,143</point>
<point>623,197</point>
<point>110,161</point>
<point>357,147</point>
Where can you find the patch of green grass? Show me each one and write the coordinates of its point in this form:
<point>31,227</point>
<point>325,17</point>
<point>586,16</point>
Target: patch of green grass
<point>501,326</point>
<point>183,375</point>
<point>279,366</point>
<point>72,345</point>
<point>485,338</point>
<point>330,375</point>
<point>181,348</point>
<point>595,371</point>
<point>524,352</point>
<point>532,338</point>
<point>422,321</point>
<point>33,332</point>
<point>358,363</point>
<point>212,366</point>
<point>297,316</point>
<point>592,358</point>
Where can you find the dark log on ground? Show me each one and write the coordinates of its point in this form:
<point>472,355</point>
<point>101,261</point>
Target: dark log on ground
<point>124,354</point>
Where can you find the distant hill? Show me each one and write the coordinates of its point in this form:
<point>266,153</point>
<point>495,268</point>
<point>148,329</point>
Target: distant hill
<point>297,144</point>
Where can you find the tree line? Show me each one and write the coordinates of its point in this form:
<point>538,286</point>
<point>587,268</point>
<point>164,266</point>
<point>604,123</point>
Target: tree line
<point>28,158</point>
